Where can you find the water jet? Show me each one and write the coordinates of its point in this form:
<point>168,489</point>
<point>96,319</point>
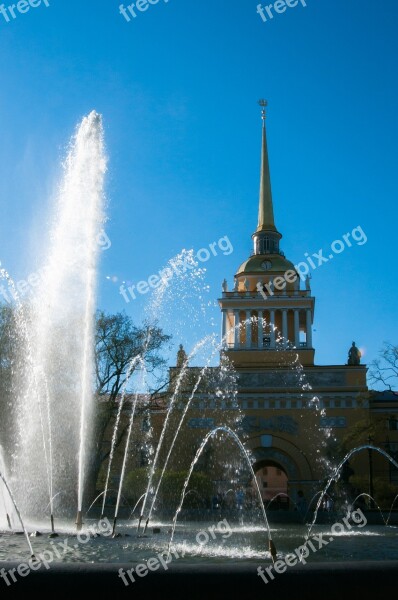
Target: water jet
<point>79,520</point>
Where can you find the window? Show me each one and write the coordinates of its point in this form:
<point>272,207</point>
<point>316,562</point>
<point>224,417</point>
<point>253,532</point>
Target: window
<point>393,424</point>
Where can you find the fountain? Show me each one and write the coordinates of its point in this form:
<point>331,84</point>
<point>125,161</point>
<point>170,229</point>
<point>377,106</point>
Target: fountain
<point>46,469</point>
<point>54,406</point>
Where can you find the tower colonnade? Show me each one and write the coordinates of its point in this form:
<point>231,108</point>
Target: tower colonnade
<point>257,328</point>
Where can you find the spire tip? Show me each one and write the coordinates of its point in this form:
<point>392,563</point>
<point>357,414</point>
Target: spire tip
<point>263,104</point>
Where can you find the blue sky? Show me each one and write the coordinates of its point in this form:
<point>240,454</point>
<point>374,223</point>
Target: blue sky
<point>177,87</point>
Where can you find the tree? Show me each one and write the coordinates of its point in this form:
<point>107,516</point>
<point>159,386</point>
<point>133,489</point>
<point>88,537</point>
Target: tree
<point>384,370</point>
<point>117,343</point>
<point>359,434</point>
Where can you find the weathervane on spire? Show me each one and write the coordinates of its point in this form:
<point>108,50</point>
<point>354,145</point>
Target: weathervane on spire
<point>263,104</point>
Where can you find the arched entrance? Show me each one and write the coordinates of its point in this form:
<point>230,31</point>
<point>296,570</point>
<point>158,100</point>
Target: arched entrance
<point>273,483</point>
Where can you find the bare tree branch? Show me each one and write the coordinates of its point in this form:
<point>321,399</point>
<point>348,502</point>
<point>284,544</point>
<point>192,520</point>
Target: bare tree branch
<point>384,370</point>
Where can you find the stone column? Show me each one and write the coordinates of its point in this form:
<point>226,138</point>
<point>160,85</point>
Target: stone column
<point>297,328</point>
<point>260,329</point>
<point>284,327</point>
<point>309,328</point>
<point>272,327</point>
<point>248,329</point>
<point>237,330</point>
<point>224,327</point>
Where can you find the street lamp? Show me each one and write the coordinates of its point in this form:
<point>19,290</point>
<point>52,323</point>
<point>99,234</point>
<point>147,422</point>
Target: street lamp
<point>371,490</point>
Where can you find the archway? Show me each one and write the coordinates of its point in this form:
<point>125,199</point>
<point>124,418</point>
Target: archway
<point>273,482</point>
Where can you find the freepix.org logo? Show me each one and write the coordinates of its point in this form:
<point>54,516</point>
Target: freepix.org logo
<point>23,6</point>
<point>135,8</point>
<point>38,278</point>
<point>57,552</point>
<point>163,559</point>
<point>318,542</point>
<point>267,12</point>
<point>177,267</point>
<point>316,260</point>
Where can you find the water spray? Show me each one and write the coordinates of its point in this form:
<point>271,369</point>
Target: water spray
<point>139,523</point>
<point>114,526</point>
<point>146,524</point>
<point>272,550</point>
<point>79,520</point>
<point>24,532</point>
<point>234,436</point>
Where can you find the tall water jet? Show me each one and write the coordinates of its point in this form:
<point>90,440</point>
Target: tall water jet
<point>61,329</point>
<point>4,505</point>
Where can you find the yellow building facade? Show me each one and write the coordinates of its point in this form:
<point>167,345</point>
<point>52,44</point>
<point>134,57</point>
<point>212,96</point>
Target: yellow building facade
<point>291,406</point>
<point>293,412</point>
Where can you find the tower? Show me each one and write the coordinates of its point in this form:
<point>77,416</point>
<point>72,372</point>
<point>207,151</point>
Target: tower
<point>287,401</point>
<point>287,411</point>
<point>268,315</point>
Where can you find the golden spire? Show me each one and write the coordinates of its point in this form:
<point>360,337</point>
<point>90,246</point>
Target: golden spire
<point>265,208</point>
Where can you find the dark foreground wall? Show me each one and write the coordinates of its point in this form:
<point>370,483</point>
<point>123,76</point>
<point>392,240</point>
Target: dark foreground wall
<point>337,581</point>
